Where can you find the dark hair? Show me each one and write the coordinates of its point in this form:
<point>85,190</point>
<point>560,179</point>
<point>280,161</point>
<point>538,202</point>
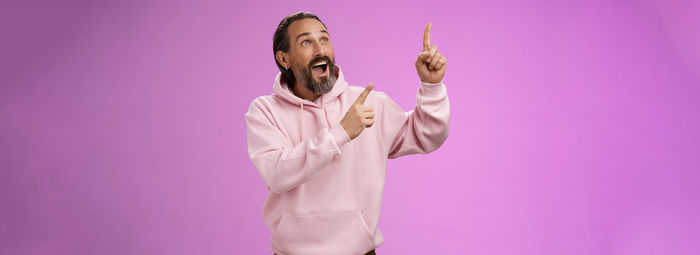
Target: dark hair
<point>280,41</point>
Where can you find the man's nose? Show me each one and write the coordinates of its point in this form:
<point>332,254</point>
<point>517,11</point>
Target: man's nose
<point>318,50</point>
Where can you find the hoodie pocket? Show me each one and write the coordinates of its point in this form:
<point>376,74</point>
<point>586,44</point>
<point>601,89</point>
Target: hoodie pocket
<point>323,233</point>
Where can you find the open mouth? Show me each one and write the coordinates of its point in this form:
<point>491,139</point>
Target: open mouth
<point>320,68</point>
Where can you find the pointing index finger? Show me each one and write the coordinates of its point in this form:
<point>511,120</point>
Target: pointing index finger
<point>365,93</point>
<point>426,37</point>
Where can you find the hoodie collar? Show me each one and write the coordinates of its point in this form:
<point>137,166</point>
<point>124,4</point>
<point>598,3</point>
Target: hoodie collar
<point>284,92</point>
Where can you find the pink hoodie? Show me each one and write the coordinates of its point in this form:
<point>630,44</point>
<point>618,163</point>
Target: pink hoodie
<point>326,189</point>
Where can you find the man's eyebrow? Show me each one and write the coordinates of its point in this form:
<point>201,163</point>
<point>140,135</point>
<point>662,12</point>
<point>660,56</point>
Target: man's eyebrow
<point>308,33</point>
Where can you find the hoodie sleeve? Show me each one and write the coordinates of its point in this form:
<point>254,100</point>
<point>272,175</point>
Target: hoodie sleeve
<point>282,165</point>
<point>423,129</point>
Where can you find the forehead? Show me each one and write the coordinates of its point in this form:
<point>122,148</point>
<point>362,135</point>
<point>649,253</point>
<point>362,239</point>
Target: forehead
<point>307,25</point>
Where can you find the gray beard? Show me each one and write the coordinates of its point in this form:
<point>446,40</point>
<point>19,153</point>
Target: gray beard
<point>318,88</point>
<point>323,87</point>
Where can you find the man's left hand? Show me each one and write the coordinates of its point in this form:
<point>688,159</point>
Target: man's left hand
<point>430,63</point>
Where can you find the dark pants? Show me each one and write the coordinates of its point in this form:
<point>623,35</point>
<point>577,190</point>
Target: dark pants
<point>368,253</point>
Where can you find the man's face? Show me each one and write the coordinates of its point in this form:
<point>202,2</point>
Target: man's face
<point>311,55</point>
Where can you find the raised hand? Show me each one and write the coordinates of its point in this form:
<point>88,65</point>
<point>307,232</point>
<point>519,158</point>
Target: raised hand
<point>430,63</point>
<point>359,116</point>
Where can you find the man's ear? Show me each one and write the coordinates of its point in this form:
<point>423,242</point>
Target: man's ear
<point>282,58</point>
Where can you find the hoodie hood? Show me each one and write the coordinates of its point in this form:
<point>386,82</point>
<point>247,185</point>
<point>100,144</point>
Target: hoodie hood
<point>281,90</point>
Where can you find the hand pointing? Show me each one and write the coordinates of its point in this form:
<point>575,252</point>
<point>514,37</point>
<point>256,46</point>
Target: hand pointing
<point>359,116</point>
<point>430,63</point>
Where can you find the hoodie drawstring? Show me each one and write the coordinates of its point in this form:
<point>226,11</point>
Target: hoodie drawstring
<point>301,123</point>
<point>301,119</point>
<point>326,113</point>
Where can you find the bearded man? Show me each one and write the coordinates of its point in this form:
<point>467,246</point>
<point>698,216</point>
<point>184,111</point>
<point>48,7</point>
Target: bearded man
<point>321,146</point>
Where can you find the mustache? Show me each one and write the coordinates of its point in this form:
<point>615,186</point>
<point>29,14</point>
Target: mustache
<point>319,59</point>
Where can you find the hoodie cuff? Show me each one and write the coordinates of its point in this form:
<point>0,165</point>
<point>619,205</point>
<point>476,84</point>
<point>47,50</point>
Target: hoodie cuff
<point>340,137</point>
<point>430,84</point>
<point>431,90</point>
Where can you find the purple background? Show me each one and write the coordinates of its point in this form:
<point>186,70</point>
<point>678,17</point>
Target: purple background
<point>575,125</point>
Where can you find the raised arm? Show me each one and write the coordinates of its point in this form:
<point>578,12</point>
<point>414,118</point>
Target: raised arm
<point>425,128</point>
<point>283,165</point>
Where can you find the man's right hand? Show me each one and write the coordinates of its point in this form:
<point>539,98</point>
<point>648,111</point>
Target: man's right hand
<point>359,116</point>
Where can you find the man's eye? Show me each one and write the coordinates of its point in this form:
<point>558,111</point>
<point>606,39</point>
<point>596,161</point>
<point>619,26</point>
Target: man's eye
<point>305,43</point>
<point>324,40</point>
